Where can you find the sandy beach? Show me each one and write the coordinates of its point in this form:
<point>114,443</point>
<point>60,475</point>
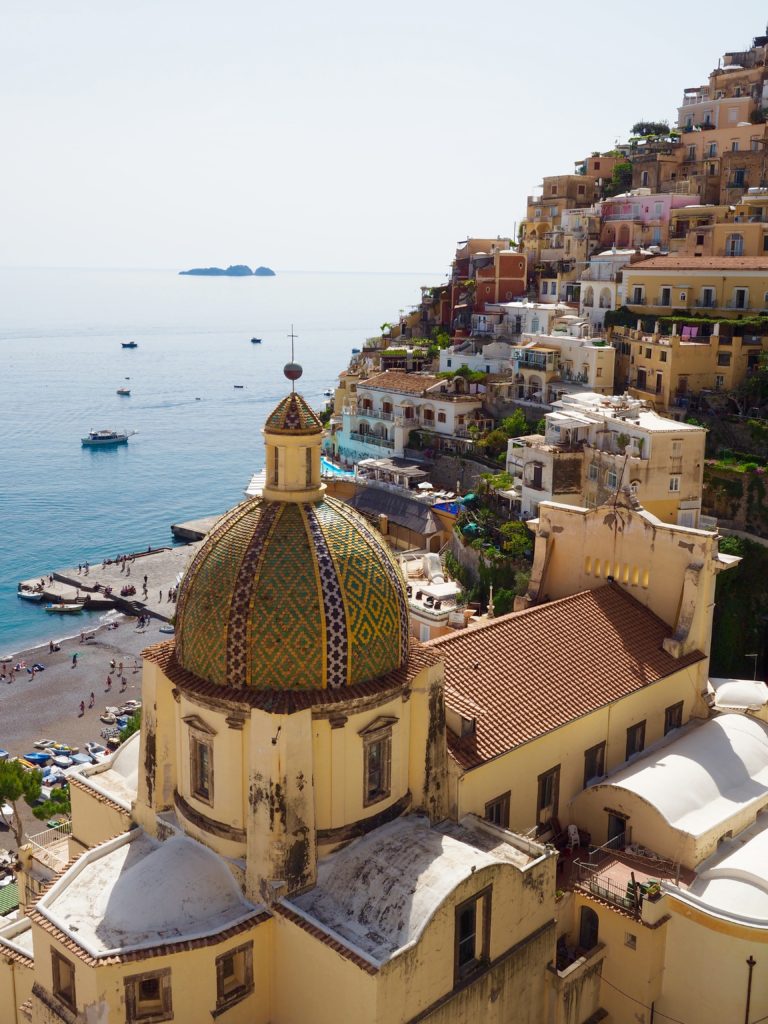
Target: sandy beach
<point>48,704</point>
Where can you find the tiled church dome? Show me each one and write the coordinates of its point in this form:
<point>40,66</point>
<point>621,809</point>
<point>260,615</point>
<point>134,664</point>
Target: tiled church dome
<point>291,595</point>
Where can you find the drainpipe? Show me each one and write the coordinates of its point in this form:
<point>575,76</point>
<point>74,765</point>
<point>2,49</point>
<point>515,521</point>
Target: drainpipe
<point>751,964</point>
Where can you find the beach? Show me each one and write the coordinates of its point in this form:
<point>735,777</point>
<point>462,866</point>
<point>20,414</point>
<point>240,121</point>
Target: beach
<point>48,703</point>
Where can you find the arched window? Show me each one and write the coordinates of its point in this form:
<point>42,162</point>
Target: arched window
<point>588,929</point>
<point>734,245</point>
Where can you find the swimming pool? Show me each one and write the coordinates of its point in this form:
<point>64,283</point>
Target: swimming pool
<point>328,468</point>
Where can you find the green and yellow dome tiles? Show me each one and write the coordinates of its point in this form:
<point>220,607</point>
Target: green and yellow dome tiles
<point>292,596</point>
<point>293,416</point>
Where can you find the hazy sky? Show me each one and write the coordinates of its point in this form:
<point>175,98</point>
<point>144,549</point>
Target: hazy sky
<point>343,135</point>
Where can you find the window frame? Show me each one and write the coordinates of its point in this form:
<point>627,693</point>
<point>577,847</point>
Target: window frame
<point>672,713</point>
<point>57,962</point>
<point>162,1008</point>
<point>591,750</point>
<point>541,782</point>
<point>200,737</point>
<point>225,999</point>
<point>377,734</point>
<point>502,803</point>
<point>481,958</point>
<point>638,729</point>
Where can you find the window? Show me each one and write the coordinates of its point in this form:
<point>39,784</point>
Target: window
<point>275,462</point>
<point>707,297</point>
<point>765,243</point>
<point>630,940</point>
<point>712,151</point>
<point>64,980</point>
<point>644,178</point>
<point>735,146</point>
<point>592,472</point>
<point>201,765</point>
<point>723,358</point>
<point>754,145</point>
<point>594,763</point>
<point>635,739</point>
<point>473,935</point>
<point>148,996</point>
<point>739,173</point>
<point>673,717</point>
<point>674,484</point>
<point>582,190</point>
<point>611,479</point>
<point>548,795</point>
<point>599,371</point>
<point>734,245</point>
<point>740,298</point>
<point>441,417</point>
<point>553,190</point>
<point>699,239</point>
<point>719,381</point>
<point>637,295</point>
<point>377,760</point>
<point>308,457</point>
<point>663,357</point>
<point>648,353</point>
<point>691,152</point>
<point>666,297</point>
<point>588,929</point>
<point>497,811</point>
<point>234,975</point>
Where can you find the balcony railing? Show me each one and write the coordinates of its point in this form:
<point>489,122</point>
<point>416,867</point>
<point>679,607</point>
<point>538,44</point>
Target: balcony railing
<point>637,300</point>
<point>376,414</point>
<point>706,303</point>
<point>374,439</point>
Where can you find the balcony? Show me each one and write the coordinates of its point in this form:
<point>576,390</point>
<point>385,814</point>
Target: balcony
<point>637,300</point>
<point>706,303</point>
<point>373,439</point>
<point>376,414</point>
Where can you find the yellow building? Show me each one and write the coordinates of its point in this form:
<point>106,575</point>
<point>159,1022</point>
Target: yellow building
<point>726,286</point>
<point>276,846</point>
<point>667,369</point>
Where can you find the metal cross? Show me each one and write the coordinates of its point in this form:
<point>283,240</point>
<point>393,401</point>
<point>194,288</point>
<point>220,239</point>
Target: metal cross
<point>293,337</point>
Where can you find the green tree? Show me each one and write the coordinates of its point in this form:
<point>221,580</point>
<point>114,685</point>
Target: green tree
<point>503,601</point>
<point>494,443</point>
<point>516,540</point>
<point>650,128</point>
<point>131,726</point>
<point>16,785</point>
<point>515,425</point>
<point>621,179</point>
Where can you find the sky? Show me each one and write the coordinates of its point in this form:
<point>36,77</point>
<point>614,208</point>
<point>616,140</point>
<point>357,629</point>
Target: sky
<point>341,135</point>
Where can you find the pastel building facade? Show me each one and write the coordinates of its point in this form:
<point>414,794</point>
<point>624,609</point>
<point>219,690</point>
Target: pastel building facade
<point>595,446</point>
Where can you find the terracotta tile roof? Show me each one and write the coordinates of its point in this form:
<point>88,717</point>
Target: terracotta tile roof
<point>286,702</point>
<point>731,263</point>
<point>80,784</point>
<point>293,416</point>
<point>398,380</point>
<point>534,671</point>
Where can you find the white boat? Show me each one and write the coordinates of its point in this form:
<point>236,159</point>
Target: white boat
<point>328,393</point>
<point>30,595</point>
<point>123,391</point>
<point>101,438</point>
<point>64,609</point>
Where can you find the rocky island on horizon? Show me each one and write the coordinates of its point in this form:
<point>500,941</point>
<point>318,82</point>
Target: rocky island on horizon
<point>237,270</point>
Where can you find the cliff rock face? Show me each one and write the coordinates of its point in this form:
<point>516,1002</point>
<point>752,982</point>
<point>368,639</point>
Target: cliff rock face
<point>237,270</point>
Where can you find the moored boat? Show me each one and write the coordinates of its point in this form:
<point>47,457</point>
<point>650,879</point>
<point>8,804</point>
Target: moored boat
<point>100,438</point>
<point>129,344</point>
<point>64,609</point>
<point>123,391</point>
<point>255,341</point>
<point>29,595</point>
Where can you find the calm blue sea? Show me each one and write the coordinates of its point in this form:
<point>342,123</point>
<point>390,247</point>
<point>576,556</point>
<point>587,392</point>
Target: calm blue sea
<point>60,365</point>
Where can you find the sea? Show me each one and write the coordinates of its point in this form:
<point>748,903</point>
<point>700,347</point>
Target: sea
<point>198,436</point>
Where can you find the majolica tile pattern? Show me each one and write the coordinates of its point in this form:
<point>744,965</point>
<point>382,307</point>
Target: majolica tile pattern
<point>292,596</point>
<point>293,416</point>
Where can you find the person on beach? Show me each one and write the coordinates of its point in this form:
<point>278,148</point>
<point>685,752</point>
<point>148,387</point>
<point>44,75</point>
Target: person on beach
<point>92,700</point>
<point>79,569</point>
<point>112,665</point>
<point>50,646</point>
<point>82,636</point>
<point>161,596</point>
<point>109,684</point>
<point>74,660</point>
<point>82,708</point>
<point>120,669</point>
<point>2,671</point>
<point>136,666</point>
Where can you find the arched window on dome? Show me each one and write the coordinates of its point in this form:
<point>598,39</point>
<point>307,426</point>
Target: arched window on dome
<point>308,453</point>
<point>275,462</point>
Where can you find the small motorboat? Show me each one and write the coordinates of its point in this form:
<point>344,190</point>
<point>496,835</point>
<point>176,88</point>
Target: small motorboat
<point>62,748</point>
<point>239,387</point>
<point>104,438</point>
<point>255,341</point>
<point>123,391</point>
<point>64,609</point>
<point>129,344</point>
<point>328,393</point>
<point>60,760</point>
<point>29,595</point>
<point>42,744</point>
<point>355,351</point>
<point>108,718</point>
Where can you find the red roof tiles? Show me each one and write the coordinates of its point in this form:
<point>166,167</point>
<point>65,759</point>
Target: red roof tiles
<point>534,671</point>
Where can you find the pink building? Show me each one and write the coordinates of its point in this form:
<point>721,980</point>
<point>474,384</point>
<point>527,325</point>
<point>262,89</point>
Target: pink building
<point>639,218</point>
